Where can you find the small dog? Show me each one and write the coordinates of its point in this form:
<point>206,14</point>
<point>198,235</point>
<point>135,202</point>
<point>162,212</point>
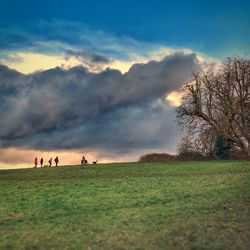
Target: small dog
<point>95,162</point>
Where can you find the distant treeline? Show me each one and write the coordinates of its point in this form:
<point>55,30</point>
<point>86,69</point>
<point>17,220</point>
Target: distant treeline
<point>164,157</point>
<point>187,156</point>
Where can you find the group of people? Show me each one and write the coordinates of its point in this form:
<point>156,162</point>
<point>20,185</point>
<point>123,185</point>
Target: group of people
<point>84,162</point>
<point>56,160</point>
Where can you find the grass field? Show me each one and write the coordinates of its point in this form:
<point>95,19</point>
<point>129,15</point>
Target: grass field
<point>192,205</point>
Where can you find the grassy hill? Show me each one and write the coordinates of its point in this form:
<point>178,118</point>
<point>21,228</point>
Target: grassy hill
<point>194,205</point>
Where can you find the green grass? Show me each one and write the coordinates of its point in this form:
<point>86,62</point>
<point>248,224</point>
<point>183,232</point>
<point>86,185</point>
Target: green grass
<point>193,205</point>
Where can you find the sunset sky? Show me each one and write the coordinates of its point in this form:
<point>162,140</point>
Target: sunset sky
<point>103,78</point>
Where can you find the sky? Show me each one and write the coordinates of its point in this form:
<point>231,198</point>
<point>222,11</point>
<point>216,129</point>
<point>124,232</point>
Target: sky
<point>104,78</point>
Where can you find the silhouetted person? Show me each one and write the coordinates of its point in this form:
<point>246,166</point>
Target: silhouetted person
<point>41,162</point>
<point>35,162</point>
<point>56,161</point>
<point>50,162</point>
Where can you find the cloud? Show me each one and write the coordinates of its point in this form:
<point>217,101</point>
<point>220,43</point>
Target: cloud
<point>56,37</point>
<point>103,111</point>
<point>67,44</point>
<point>11,83</point>
<point>26,63</point>
<point>11,58</point>
<point>87,56</point>
<point>89,59</point>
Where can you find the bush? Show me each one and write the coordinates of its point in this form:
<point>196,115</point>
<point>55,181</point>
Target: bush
<point>190,156</point>
<point>155,157</point>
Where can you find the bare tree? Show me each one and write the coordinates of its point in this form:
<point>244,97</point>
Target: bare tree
<point>202,144</point>
<point>219,100</point>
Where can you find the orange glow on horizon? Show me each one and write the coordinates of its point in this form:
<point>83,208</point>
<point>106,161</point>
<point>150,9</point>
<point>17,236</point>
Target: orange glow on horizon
<point>24,158</point>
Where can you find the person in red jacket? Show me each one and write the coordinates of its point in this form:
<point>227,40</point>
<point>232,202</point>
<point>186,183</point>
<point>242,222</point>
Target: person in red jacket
<point>35,162</point>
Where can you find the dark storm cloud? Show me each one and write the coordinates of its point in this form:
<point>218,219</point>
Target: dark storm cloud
<point>11,82</point>
<point>75,108</point>
<point>88,56</point>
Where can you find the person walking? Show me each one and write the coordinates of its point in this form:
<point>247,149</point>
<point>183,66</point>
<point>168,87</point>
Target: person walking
<point>50,162</point>
<point>35,162</point>
<point>56,161</point>
<point>83,160</point>
<point>41,162</point>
